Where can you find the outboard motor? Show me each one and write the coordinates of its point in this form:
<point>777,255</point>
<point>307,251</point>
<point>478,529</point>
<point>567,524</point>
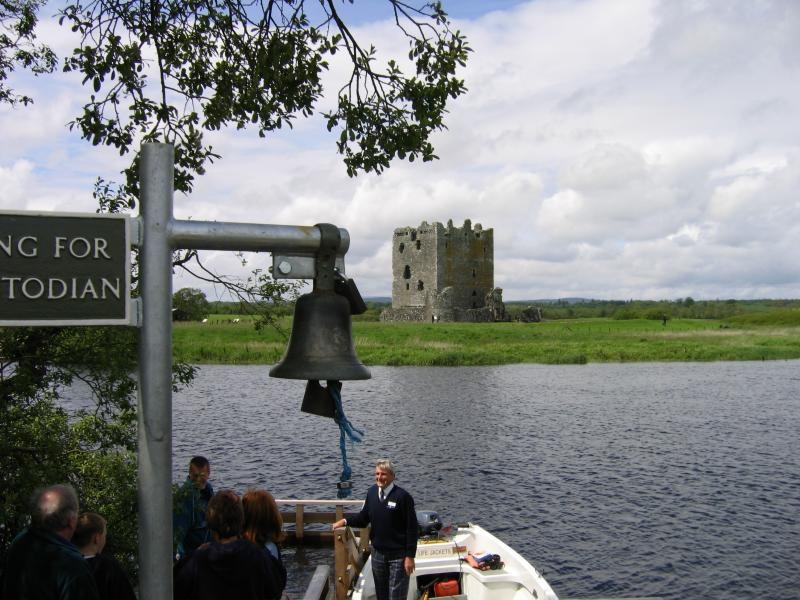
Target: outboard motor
<point>429,522</point>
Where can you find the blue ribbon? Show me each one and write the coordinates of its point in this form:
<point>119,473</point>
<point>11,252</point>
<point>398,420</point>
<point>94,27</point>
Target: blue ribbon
<point>346,429</point>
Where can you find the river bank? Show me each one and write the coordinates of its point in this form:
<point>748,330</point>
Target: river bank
<point>579,341</point>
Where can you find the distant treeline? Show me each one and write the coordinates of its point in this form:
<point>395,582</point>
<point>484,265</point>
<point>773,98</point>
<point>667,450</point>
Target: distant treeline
<point>682,308</point>
<point>218,307</point>
<point>238,308</point>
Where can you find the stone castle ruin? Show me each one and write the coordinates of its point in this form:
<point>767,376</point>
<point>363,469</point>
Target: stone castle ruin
<point>444,273</point>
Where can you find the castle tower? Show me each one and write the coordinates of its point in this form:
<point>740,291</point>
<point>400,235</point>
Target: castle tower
<point>440,269</point>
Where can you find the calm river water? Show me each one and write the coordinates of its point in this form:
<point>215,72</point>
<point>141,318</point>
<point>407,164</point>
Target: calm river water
<point>657,479</point>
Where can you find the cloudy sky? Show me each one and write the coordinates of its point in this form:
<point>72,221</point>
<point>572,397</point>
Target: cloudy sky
<point>619,148</point>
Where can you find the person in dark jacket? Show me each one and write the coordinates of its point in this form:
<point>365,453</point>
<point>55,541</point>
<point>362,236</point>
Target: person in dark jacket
<point>189,512</point>
<point>42,563</point>
<point>229,567</point>
<point>90,538</point>
<point>389,509</point>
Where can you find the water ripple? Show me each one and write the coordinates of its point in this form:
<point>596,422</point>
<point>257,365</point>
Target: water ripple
<point>675,480</point>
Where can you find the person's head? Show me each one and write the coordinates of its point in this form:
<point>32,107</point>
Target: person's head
<point>90,534</point>
<point>262,519</point>
<point>55,509</point>
<point>225,515</point>
<point>199,471</point>
<point>384,472</point>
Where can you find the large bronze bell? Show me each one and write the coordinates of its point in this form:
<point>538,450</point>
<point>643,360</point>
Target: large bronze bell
<point>321,345</point>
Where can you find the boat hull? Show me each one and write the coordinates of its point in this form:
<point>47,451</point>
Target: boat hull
<point>445,560</point>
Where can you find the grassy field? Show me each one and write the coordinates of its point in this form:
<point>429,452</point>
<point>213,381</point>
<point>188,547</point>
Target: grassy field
<point>771,336</point>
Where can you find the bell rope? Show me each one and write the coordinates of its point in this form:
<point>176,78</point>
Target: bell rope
<point>346,429</point>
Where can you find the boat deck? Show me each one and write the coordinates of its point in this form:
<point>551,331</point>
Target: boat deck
<point>444,559</point>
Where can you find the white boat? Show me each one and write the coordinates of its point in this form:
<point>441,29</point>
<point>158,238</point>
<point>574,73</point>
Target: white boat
<point>443,561</point>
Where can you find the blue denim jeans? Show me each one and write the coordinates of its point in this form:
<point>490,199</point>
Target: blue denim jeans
<point>391,581</point>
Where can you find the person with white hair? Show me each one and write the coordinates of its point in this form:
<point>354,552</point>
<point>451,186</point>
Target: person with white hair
<point>389,509</point>
<point>42,563</point>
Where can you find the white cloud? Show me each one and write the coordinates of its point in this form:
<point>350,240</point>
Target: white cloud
<point>14,180</point>
<point>618,149</point>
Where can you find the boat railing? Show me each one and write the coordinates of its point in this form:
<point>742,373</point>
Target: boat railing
<point>350,554</point>
<point>305,514</point>
<point>309,523</point>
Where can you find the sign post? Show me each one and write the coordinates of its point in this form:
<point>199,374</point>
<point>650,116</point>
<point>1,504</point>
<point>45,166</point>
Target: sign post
<point>68,269</point>
<point>65,269</point>
<point>292,247</point>
<point>155,374</point>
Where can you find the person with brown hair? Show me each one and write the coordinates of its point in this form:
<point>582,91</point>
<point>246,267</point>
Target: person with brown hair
<point>229,567</point>
<point>90,538</point>
<point>263,526</point>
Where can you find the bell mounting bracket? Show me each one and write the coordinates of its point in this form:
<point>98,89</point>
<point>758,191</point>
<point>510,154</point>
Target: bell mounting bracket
<point>329,258</point>
<point>325,261</point>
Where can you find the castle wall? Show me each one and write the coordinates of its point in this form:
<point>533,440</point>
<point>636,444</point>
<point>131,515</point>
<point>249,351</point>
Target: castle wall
<point>467,264</point>
<point>421,313</point>
<point>415,253</point>
<point>443,270</point>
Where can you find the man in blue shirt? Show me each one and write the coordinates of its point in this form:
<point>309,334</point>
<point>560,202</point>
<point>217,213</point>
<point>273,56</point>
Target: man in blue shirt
<point>191,502</point>
<point>389,509</point>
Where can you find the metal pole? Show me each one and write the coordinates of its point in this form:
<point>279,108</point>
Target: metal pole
<point>159,235</point>
<point>155,374</point>
<point>215,235</point>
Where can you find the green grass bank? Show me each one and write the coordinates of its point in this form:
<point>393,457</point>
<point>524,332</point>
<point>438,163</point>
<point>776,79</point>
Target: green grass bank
<point>771,336</point>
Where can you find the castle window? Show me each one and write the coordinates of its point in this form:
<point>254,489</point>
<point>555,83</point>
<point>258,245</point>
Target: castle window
<point>420,285</point>
<point>407,286</point>
<point>419,244</point>
<point>413,235</point>
<point>401,247</point>
<point>407,272</point>
<point>473,272</point>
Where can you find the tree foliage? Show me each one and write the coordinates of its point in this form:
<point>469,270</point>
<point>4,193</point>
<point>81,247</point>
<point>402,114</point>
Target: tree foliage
<point>43,441</point>
<point>189,304</point>
<point>168,71</point>
<point>171,71</point>
<point>18,19</point>
<point>656,310</point>
<point>88,440</point>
